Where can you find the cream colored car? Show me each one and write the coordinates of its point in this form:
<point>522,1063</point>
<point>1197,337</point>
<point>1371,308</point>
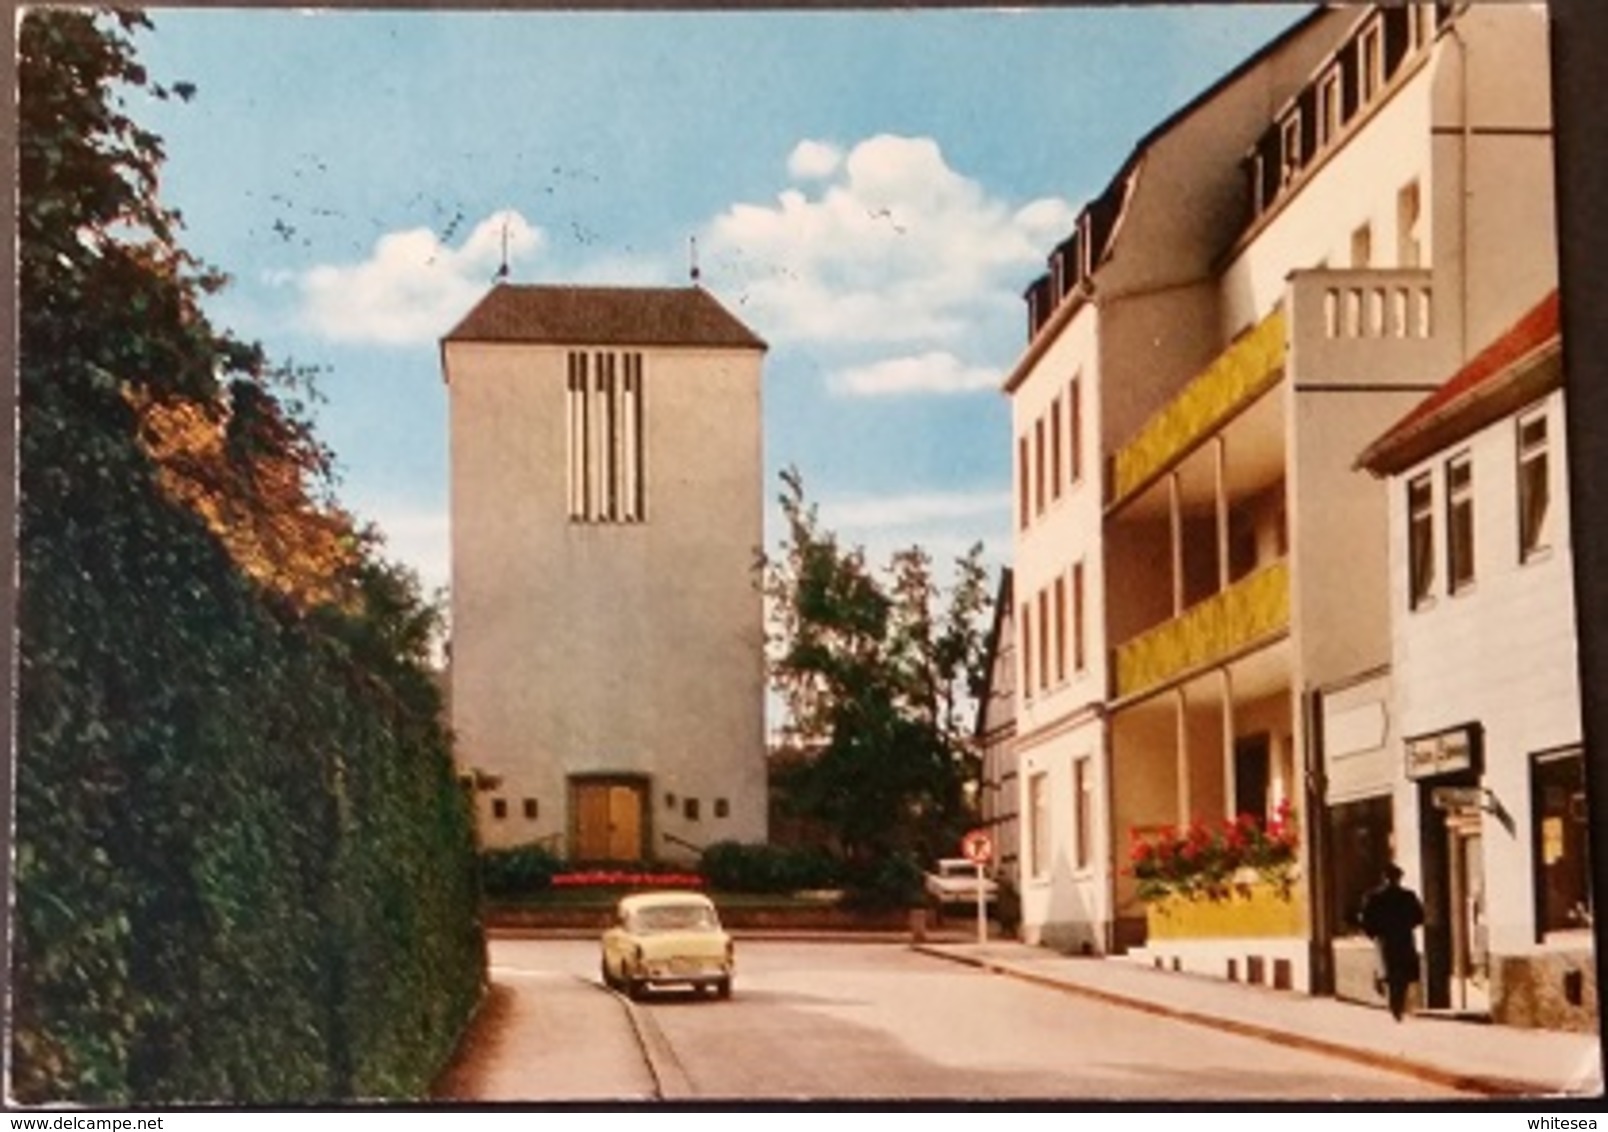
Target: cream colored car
<point>659,939</point>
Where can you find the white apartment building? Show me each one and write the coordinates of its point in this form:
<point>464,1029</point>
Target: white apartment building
<point>1391,209</point>
<point>1488,798</point>
<point>1127,311</point>
<point>607,668</point>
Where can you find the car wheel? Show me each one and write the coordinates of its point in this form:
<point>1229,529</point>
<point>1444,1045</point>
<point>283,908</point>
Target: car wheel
<point>723,988</point>
<point>637,989</point>
<point>608,977</point>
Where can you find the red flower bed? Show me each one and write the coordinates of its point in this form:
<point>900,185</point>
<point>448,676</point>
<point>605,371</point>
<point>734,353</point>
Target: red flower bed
<point>1205,860</point>
<point>612,878</point>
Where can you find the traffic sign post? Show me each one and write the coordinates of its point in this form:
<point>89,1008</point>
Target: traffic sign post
<point>979,848</point>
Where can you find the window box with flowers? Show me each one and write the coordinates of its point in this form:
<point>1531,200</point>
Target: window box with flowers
<point>1235,879</point>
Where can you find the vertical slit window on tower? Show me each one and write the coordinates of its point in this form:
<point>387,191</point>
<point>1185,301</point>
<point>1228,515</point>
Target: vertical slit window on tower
<point>604,409</point>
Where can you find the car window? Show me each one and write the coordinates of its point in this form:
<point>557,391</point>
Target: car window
<point>674,918</point>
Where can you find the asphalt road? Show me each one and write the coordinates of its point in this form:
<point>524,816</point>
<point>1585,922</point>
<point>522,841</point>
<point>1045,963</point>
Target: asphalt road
<point>847,1021</point>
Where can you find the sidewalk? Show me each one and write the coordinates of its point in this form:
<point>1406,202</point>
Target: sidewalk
<point>1477,1056</point>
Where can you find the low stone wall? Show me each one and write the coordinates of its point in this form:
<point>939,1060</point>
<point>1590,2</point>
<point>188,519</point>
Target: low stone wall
<point>1554,990</point>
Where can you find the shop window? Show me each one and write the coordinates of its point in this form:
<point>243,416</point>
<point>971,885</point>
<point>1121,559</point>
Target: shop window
<point>1561,850</point>
<point>1359,849</point>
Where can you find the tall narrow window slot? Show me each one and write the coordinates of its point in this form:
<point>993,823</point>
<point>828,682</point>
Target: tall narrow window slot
<point>1420,540</point>
<point>1459,523</point>
<point>1534,497</point>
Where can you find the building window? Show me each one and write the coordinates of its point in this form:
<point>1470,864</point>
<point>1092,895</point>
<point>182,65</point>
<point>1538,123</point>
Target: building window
<point>1362,247</point>
<point>499,808</point>
<point>1459,523</point>
<point>1060,629</point>
<point>1329,108</point>
<point>530,809</point>
<point>1038,816</point>
<point>1290,148</point>
<point>1371,60</point>
<point>722,808</point>
<point>1074,429</point>
<point>1027,649</point>
<point>1360,834</point>
<point>1055,449</point>
<point>1023,510</point>
<point>1409,206</point>
<point>669,801</point>
<point>1083,800</point>
<point>689,809</point>
<point>607,448</point>
<point>1044,639</point>
<point>1561,849</point>
<point>1038,466</point>
<point>1420,540</point>
<point>1534,509</point>
<point>1079,653</point>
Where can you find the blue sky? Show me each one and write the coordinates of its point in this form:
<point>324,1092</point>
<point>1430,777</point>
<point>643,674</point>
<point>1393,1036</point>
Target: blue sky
<point>869,191</point>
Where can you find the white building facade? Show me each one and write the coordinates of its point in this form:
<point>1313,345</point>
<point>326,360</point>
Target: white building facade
<point>607,495</point>
<point>1489,785</point>
<point>1390,210</point>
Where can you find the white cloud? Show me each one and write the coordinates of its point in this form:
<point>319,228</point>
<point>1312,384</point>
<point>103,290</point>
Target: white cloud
<point>814,160</point>
<point>920,509</point>
<point>935,371</point>
<point>413,287</point>
<point>894,246</point>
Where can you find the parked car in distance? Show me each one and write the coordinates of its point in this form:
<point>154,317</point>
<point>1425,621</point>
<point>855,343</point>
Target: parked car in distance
<point>953,880</point>
<point>661,939</point>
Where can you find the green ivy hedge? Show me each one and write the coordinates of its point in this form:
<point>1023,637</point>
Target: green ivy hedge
<point>244,870</point>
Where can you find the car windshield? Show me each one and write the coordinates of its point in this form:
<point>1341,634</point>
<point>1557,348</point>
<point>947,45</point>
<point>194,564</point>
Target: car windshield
<point>674,918</point>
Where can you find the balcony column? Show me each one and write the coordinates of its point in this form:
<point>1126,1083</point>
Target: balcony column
<point>1220,473</point>
<point>1175,519</point>
<point>1226,682</point>
<point>1182,702</point>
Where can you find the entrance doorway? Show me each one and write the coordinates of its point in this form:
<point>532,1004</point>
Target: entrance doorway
<point>1456,931</point>
<point>608,819</point>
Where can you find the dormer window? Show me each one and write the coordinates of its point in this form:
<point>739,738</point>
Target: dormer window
<point>1084,245</point>
<point>1289,148</point>
<point>1329,108</point>
<point>1371,60</point>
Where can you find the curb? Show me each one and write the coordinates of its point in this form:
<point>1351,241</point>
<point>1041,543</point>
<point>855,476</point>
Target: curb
<point>1434,1074</point>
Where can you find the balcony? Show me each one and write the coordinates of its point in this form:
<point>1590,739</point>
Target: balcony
<point>1231,620</point>
<point>1239,375</point>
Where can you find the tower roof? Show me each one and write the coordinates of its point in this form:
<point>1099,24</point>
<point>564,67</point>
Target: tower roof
<point>603,316</point>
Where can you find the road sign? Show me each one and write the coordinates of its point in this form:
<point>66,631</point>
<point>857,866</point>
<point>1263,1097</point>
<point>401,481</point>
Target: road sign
<point>977,847</point>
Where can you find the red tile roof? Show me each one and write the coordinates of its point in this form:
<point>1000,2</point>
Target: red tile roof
<point>1455,409</point>
<point>603,316</point>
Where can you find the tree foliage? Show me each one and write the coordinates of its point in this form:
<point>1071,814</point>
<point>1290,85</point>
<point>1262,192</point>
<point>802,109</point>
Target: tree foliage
<point>876,671</point>
<point>243,868</point>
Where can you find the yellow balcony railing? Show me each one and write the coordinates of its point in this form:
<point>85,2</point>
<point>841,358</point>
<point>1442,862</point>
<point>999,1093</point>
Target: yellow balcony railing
<point>1239,375</point>
<point>1255,607</point>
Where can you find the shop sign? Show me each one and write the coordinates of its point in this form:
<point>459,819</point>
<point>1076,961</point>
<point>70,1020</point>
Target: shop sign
<point>1446,752</point>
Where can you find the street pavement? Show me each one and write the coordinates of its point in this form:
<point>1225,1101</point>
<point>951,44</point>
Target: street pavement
<point>1477,1056</point>
<point>1480,1057</point>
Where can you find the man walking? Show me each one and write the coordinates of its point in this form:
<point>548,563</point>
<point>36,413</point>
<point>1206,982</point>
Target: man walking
<point>1390,914</point>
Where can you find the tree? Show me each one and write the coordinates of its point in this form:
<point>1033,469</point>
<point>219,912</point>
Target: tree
<point>875,673</point>
<point>243,868</point>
